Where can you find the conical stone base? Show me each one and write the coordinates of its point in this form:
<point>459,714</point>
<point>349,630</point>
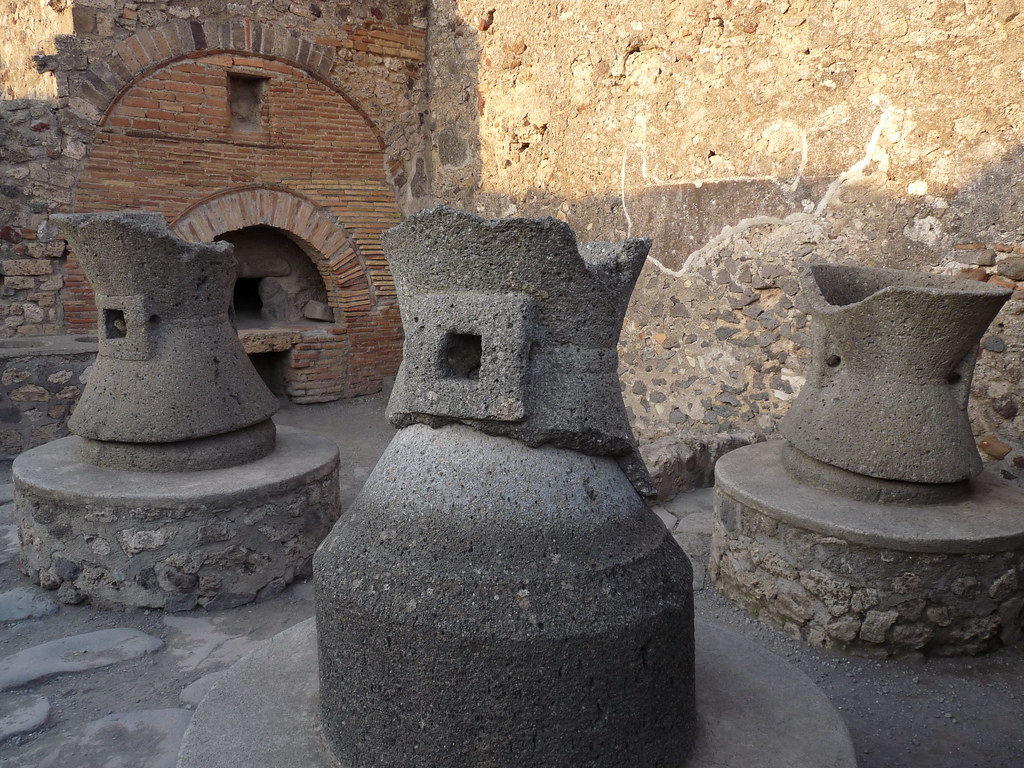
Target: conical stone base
<point>486,603</point>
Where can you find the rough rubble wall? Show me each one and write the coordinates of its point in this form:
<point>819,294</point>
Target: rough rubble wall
<point>29,28</point>
<point>35,180</point>
<point>747,139</point>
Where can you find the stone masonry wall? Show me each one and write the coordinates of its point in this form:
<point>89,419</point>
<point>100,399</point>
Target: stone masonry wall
<point>141,84</point>
<point>29,27</point>
<point>38,393</point>
<point>747,138</point>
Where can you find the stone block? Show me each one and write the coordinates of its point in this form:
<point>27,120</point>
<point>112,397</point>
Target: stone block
<point>34,267</point>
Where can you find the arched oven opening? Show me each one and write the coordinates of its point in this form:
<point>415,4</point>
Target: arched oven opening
<point>277,284</point>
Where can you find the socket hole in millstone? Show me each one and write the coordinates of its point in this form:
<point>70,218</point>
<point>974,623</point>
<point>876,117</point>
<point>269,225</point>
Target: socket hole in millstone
<point>833,360</point>
<point>114,324</point>
<point>462,354</point>
<point>953,378</point>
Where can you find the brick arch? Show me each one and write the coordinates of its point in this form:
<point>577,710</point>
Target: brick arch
<point>136,56</point>
<point>334,252</point>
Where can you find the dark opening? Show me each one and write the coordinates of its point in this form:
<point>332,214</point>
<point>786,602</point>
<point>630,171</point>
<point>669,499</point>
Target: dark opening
<point>114,324</point>
<point>462,353</point>
<point>270,366</point>
<point>277,282</point>
<point>247,96</point>
<point>247,300</point>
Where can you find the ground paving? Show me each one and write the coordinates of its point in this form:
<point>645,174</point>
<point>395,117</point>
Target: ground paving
<point>132,711</point>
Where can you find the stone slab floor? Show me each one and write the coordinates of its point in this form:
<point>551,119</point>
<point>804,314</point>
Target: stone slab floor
<point>92,689</point>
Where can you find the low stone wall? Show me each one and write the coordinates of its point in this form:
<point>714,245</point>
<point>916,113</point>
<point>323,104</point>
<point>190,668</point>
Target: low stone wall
<point>869,579</point>
<point>40,382</point>
<point>217,538</point>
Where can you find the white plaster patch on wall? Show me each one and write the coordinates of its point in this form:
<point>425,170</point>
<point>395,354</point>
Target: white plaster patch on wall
<point>886,126</point>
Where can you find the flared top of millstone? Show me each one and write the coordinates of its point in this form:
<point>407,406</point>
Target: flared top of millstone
<point>127,254</point>
<point>511,327</point>
<point>831,287</point>
<point>890,375</point>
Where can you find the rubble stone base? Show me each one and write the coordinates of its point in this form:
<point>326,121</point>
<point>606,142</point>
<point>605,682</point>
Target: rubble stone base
<point>869,579</point>
<point>174,540</point>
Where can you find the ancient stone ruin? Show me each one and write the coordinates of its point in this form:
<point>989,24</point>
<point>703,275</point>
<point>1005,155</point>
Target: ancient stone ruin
<point>871,527</point>
<point>499,561</point>
<point>499,593</point>
<point>176,489</point>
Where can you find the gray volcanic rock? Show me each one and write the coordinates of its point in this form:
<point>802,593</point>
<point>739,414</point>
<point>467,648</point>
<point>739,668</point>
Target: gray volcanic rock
<point>511,327</point>
<point>887,388</point>
<point>170,366</point>
<point>485,603</point>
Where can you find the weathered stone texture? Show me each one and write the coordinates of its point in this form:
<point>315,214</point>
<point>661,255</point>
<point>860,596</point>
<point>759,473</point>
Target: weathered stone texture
<point>745,141</point>
<point>942,578</point>
<point>814,587</point>
<point>38,391</point>
<point>28,29</point>
<point>153,540</point>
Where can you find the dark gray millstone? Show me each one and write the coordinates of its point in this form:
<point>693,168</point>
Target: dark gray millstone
<point>75,654</point>
<point>890,375</point>
<point>170,366</point>
<point>754,709</point>
<point>26,603</point>
<point>483,602</point>
<point>21,714</point>
<point>511,327</point>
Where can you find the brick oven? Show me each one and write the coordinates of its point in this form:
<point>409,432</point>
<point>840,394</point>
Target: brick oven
<point>268,133</point>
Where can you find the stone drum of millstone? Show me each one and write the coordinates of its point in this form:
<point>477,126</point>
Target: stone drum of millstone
<point>871,528</point>
<point>172,388</point>
<point>500,594</point>
<point>175,490</point>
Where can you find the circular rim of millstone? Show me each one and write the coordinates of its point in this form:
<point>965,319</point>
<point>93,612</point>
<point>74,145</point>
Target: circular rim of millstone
<point>988,519</point>
<point>753,708</point>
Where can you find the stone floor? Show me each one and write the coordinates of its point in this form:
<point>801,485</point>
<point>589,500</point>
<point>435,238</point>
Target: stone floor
<point>92,689</point>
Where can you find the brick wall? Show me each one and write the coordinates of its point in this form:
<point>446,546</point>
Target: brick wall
<point>311,163</point>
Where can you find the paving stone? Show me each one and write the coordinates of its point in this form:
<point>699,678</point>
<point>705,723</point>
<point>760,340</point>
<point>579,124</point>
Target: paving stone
<point>9,542</point>
<point>6,493</point>
<point>194,693</point>
<point>149,738</point>
<point>22,714</point>
<point>75,654</point>
<point>26,603</point>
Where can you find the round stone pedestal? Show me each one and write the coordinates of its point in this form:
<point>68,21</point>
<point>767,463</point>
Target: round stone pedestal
<point>868,578</point>
<point>174,540</point>
<point>753,709</point>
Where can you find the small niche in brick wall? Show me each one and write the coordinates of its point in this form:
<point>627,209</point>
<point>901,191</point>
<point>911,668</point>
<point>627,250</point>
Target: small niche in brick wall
<point>247,96</point>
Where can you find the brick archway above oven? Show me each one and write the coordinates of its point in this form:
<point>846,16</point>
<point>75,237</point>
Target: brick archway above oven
<point>323,236</point>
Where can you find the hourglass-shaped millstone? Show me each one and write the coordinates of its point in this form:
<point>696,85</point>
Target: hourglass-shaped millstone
<point>176,489</point>
<point>499,594</point>
<point>890,375</point>
<point>170,367</point>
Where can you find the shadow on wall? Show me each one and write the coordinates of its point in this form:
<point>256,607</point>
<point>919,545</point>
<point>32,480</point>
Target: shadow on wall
<point>716,341</point>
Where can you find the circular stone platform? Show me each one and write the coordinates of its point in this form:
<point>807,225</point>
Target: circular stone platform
<point>174,540</point>
<point>752,709</point>
<point>869,578</point>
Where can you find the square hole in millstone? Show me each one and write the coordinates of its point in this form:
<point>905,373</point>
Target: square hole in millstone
<point>114,324</point>
<point>462,355</point>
